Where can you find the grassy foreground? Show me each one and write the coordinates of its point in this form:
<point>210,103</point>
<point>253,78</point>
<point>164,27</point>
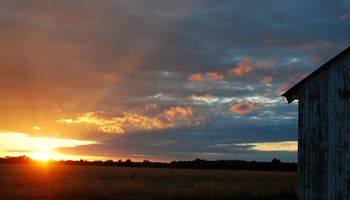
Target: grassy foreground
<point>52,181</point>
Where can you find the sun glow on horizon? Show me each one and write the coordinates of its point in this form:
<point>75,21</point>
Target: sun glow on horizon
<point>44,156</point>
<point>38,148</point>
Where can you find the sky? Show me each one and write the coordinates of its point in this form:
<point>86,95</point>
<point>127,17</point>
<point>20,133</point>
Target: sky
<point>159,80</point>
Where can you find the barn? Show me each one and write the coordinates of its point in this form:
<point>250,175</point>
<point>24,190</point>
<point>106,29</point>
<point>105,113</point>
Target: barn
<point>324,130</point>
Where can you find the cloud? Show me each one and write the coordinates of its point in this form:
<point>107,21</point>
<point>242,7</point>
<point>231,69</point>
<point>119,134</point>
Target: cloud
<point>243,67</point>
<point>264,63</point>
<point>111,128</point>
<point>244,107</point>
<point>195,77</point>
<point>246,66</point>
<point>344,16</point>
<point>150,106</point>
<point>266,80</point>
<point>178,112</point>
<point>290,146</point>
<point>117,51</point>
<point>283,88</point>
<point>192,142</point>
<point>316,58</point>
<point>293,78</point>
<point>205,98</point>
<point>209,75</point>
<point>113,125</point>
<point>175,117</point>
<point>214,75</point>
<point>170,118</point>
<point>209,99</point>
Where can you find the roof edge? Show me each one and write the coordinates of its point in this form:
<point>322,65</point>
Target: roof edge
<point>290,93</point>
<point>290,97</point>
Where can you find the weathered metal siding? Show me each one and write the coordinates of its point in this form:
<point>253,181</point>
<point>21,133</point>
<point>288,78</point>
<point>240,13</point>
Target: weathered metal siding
<point>324,128</point>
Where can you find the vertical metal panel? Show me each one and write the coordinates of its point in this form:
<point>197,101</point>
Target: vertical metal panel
<point>324,128</point>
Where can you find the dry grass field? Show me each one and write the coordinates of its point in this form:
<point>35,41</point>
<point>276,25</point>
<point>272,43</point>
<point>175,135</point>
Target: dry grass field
<point>49,181</point>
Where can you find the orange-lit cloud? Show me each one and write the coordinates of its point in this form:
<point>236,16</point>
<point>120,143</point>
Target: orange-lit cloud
<point>243,67</point>
<point>178,111</point>
<point>150,106</point>
<point>266,80</point>
<point>111,128</point>
<point>114,125</point>
<point>244,107</point>
<point>172,117</point>
<point>214,75</point>
<point>246,66</point>
<point>208,75</point>
<point>195,77</point>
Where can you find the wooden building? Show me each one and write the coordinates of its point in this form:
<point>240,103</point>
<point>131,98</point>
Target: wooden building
<point>324,130</point>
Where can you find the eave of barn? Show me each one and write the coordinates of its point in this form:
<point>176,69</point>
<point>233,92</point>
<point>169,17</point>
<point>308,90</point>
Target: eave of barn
<point>292,93</point>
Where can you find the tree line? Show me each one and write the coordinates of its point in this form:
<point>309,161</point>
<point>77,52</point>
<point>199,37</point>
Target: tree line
<point>273,165</point>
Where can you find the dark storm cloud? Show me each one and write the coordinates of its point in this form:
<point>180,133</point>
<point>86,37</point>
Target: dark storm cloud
<point>63,59</point>
<point>209,143</point>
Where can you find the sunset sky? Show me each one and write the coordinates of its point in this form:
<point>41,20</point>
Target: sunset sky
<point>159,80</point>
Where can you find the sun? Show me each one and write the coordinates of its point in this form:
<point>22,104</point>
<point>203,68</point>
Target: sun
<point>44,155</point>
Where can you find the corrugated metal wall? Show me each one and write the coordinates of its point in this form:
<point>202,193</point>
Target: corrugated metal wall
<point>324,134</point>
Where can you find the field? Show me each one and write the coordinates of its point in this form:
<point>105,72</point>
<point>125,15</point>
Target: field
<point>52,181</point>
